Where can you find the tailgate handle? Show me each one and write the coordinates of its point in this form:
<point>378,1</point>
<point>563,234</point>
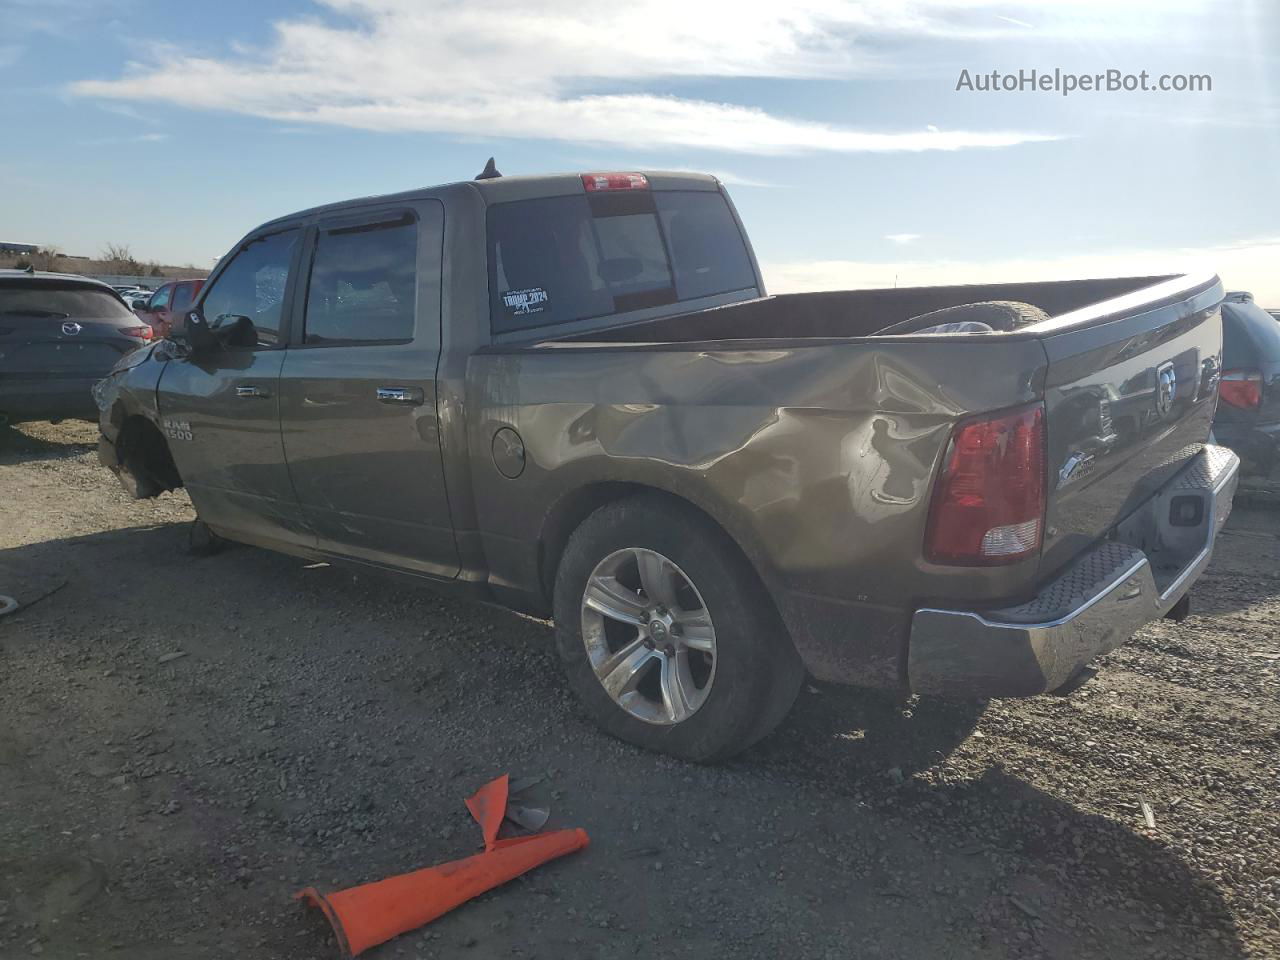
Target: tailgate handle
<point>412,396</point>
<point>252,392</point>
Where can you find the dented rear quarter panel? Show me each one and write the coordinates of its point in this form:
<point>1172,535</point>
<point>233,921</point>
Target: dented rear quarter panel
<point>817,459</point>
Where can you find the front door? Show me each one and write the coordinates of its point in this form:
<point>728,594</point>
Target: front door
<point>220,411</point>
<point>358,391</point>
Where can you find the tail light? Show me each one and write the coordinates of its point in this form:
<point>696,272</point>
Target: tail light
<point>139,333</point>
<point>595,182</point>
<point>1241,388</point>
<point>988,505</point>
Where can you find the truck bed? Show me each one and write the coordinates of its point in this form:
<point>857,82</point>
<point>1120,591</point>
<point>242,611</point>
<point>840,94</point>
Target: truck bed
<point>857,313</point>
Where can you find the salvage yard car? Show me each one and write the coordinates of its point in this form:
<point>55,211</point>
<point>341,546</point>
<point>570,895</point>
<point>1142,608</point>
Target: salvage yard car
<point>571,395</point>
<point>59,335</point>
<point>172,299</point>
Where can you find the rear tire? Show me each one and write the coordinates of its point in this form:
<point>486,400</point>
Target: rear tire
<point>741,672</point>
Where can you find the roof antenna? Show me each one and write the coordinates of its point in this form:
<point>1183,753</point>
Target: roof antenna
<point>489,172</point>
<point>31,269</point>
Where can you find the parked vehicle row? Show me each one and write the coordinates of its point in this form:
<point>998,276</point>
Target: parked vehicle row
<point>573,395</point>
<point>133,295</point>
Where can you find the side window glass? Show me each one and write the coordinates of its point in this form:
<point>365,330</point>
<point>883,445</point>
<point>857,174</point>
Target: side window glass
<point>363,285</point>
<point>160,299</point>
<point>253,286</point>
<point>182,297</point>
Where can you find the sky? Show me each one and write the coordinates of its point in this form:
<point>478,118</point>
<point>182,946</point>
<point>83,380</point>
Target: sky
<point>853,136</point>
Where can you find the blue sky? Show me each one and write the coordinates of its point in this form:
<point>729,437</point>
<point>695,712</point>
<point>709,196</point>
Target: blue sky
<point>175,127</point>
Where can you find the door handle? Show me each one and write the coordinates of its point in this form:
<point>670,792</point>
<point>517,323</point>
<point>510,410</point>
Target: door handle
<point>252,392</point>
<point>412,396</point>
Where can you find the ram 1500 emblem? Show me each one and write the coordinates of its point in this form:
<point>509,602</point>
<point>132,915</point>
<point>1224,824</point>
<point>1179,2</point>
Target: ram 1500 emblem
<point>177,429</point>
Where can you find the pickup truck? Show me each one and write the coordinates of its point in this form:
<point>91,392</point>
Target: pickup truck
<point>571,395</point>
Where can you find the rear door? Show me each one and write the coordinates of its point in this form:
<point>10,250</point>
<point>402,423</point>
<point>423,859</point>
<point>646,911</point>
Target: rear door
<point>221,410</point>
<point>358,390</point>
<point>184,294</point>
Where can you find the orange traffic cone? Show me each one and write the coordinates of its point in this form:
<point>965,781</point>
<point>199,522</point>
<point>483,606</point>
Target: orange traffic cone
<point>366,916</point>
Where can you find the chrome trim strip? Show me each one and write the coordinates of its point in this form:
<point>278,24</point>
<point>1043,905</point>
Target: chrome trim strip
<point>1095,599</point>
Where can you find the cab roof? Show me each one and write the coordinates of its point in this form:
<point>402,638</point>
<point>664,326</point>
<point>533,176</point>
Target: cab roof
<point>504,189</point>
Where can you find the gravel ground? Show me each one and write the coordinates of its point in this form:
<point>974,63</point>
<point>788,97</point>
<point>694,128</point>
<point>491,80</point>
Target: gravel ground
<point>324,729</point>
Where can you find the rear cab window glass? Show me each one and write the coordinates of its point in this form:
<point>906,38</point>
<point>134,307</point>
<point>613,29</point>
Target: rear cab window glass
<point>52,301</point>
<point>253,285</point>
<point>363,284</point>
<point>560,259</point>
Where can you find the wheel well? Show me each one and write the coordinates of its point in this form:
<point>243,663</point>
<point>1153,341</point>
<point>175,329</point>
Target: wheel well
<point>573,508</point>
<point>141,446</point>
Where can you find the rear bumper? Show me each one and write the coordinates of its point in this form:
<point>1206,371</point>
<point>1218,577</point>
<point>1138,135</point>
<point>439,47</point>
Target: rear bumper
<point>1091,608</point>
<point>48,399</point>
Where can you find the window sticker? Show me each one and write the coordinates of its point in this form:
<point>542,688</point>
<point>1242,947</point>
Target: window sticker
<point>526,301</point>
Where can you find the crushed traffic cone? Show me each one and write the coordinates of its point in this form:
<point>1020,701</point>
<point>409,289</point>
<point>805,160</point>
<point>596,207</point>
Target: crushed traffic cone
<point>368,915</point>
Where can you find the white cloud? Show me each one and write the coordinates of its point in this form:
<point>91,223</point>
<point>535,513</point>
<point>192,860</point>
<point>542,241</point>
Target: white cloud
<point>137,138</point>
<point>561,69</point>
<point>902,239</point>
<point>1247,265</point>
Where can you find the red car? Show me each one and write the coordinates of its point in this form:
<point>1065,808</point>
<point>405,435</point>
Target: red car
<point>171,299</point>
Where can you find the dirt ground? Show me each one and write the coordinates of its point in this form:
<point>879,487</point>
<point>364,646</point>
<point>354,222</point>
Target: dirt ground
<point>320,729</point>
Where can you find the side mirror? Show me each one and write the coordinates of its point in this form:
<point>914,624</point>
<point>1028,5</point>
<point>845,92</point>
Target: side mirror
<point>227,330</point>
<point>142,306</point>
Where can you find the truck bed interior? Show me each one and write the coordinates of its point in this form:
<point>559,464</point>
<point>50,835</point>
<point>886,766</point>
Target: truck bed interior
<point>855,313</point>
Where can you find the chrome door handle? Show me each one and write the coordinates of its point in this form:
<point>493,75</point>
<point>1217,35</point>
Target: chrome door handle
<point>252,393</point>
<point>409,395</point>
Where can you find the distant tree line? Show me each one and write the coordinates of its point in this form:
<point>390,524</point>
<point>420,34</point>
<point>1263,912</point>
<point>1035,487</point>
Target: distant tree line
<point>115,259</point>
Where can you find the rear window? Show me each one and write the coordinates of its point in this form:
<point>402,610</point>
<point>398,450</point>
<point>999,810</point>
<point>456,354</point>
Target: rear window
<point>1250,336</point>
<point>560,259</point>
<point>57,303</point>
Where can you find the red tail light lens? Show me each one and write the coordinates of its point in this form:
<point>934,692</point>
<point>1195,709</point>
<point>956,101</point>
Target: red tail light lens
<point>140,333</point>
<point>1241,388</point>
<point>595,182</point>
<point>988,505</point>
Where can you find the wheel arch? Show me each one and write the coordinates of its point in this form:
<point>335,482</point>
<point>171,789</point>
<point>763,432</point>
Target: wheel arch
<point>141,445</point>
<point>568,513</point>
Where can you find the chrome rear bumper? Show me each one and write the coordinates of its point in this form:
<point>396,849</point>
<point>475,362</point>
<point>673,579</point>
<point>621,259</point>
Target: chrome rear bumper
<point>1095,606</point>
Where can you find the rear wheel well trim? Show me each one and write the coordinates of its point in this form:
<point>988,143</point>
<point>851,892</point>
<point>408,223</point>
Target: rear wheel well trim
<point>568,513</point>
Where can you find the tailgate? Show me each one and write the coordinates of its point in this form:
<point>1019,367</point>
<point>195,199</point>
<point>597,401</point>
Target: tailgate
<point>1129,397</point>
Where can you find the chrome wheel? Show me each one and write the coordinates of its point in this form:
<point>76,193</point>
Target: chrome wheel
<point>648,636</point>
